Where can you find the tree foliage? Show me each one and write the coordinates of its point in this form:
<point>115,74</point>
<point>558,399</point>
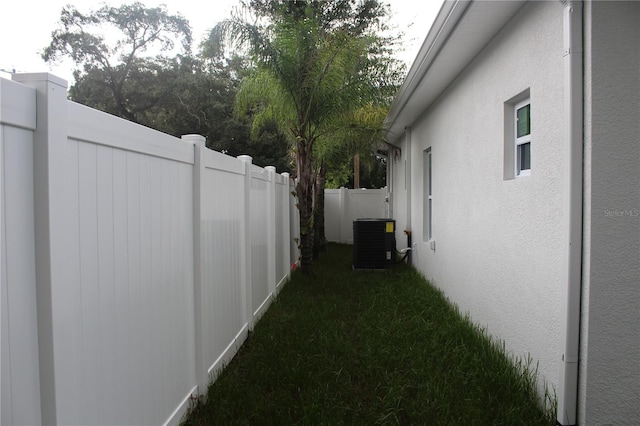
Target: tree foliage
<point>136,63</point>
<point>121,66</point>
<point>314,67</point>
<point>359,139</point>
<point>317,62</point>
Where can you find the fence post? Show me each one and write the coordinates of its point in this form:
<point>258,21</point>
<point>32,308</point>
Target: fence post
<point>343,215</point>
<point>2,285</point>
<point>53,238</point>
<point>271,229</point>
<point>286,227</point>
<point>202,378</point>
<point>246,289</point>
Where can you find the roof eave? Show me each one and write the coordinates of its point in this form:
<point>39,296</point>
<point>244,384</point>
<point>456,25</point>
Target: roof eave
<point>460,31</point>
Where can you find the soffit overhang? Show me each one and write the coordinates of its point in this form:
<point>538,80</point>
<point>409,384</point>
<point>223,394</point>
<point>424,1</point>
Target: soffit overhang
<point>460,31</point>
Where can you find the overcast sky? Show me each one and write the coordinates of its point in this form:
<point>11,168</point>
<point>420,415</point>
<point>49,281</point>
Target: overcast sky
<point>26,26</point>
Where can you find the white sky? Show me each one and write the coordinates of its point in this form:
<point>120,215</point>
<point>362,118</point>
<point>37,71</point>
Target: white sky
<point>26,27</point>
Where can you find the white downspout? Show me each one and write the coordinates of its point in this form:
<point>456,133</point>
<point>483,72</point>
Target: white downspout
<point>573,141</point>
<point>407,176</point>
<point>389,181</point>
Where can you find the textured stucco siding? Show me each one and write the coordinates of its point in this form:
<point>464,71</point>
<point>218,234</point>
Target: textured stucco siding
<point>609,390</point>
<point>499,242</point>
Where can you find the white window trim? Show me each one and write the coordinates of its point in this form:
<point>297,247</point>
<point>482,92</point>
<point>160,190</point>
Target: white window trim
<point>427,232</point>
<point>430,195</point>
<point>520,140</point>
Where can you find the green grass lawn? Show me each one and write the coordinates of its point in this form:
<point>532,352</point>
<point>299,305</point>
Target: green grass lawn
<point>354,347</point>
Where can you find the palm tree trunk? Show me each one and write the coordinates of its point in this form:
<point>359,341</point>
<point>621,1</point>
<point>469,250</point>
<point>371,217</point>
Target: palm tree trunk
<point>304,190</point>
<point>320,240</point>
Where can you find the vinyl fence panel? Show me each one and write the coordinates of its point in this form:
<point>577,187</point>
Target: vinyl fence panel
<point>136,333</point>
<point>222,222</point>
<point>19,358</point>
<point>260,247</point>
<point>133,262</point>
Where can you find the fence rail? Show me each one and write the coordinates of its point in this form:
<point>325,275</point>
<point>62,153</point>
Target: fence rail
<point>133,263</point>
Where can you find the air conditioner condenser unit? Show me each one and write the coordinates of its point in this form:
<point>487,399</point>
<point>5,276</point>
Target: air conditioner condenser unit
<point>374,243</point>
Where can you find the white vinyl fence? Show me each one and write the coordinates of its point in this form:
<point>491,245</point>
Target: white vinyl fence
<point>133,263</point>
<point>343,206</point>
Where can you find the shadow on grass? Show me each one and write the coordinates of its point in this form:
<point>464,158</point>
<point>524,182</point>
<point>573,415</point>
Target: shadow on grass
<point>369,347</point>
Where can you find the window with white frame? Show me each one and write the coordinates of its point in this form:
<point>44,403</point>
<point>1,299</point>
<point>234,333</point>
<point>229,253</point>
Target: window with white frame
<point>427,228</point>
<point>522,126</point>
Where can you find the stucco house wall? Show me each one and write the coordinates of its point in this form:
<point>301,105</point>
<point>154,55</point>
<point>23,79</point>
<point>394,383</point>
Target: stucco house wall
<point>505,249</point>
<point>498,242</point>
<point>609,373</point>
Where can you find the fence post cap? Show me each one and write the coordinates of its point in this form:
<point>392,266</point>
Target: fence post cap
<point>245,158</point>
<point>193,138</point>
<point>37,77</point>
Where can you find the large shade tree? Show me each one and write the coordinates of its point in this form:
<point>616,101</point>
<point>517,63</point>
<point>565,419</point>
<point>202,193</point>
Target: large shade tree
<point>136,63</point>
<point>122,52</point>
<point>312,71</point>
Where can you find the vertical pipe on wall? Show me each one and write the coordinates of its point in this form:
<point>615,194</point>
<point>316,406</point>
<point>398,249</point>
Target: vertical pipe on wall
<point>390,183</point>
<point>573,115</point>
<point>407,176</point>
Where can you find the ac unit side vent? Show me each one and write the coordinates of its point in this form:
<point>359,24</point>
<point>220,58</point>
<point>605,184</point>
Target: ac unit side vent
<point>374,243</point>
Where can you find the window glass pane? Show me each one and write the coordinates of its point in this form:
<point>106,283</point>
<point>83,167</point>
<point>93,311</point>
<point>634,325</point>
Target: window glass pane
<point>524,157</point>
<point>524,119</point>
<point>430,218</point>
<point>430,193</point>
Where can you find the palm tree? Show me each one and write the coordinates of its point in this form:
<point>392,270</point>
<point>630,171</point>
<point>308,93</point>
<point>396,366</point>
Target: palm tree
<point>360,132</point>
<point>308,79</point>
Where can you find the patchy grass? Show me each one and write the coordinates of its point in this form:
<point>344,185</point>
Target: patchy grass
<point>347,347</point>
